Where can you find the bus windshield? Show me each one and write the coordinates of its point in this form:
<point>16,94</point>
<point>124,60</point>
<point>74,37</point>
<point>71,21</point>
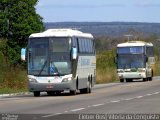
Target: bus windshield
<point>131,61</point>
<point>49,56</point>
<point>131,50</point>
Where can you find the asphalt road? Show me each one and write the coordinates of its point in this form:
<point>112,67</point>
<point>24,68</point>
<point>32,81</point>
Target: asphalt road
<point>123,98</point>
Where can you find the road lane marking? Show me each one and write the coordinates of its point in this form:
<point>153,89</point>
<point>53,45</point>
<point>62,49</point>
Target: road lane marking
<point>155,93</point>
<point>74,110</point>
<point>129,99</point>
<point>115,101</point>
<point>149,94</point>
<point>139,96</point>
<point>51,115</point>
<point>97,105</point>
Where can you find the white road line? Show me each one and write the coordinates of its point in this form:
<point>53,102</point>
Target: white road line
<point>51,115</point>
<point>97,105</point>
<point>155,93</point>
<point>129,99</point>
<point>115,101</point>
<point>149,94</point>
<point>139,96</point>
<point>74,110</point>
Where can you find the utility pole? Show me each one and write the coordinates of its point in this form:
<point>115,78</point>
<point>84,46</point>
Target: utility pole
<point>128,36</point>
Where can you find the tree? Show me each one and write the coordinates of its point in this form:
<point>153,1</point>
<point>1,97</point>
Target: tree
<point>18,19</point>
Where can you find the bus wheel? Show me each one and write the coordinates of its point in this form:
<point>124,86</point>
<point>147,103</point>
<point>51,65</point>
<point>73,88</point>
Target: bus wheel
<point>121,80</point>
<point>73,92</point>
<point>36,94</point>
<point>89,87</point>
<point>57,93</point>
<point>150,78</point>
<point>82,91</point>
<point>50,93</point>
<point>145,79</point>
<point>128,80</point>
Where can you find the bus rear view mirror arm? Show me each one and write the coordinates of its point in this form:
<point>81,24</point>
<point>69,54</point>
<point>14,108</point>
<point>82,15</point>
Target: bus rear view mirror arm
<point>115,60</point>
<point>146,59</point>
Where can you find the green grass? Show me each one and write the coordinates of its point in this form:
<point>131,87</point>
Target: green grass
<point>106,68</point>
<point>12,80</point>
<point>10,90</point>
<point>157,67</point>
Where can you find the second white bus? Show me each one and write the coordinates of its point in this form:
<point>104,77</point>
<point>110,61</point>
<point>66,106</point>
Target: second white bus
<point>135,60</point>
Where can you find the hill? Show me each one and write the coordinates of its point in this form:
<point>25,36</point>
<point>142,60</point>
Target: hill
<point>110,29</point>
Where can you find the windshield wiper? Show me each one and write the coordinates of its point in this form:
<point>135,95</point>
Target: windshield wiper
<point>56,72</point>
<point>42,68</point>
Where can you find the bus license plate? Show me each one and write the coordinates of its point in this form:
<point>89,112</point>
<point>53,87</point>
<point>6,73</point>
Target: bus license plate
<point>49,86</point>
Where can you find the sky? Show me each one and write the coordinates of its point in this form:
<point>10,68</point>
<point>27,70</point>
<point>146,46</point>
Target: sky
<point>99,10</point>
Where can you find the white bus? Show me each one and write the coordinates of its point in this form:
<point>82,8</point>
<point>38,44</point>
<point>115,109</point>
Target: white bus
<point>135,60</point>
<point>60,60</point>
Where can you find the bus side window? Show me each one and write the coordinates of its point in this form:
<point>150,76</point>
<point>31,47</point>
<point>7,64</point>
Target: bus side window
<point>80,45</point>
<point>74,42</point>
<point>149,51</point>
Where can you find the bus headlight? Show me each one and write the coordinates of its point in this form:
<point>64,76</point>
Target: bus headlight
<point>141,70</point>
<point>66,79</point>
<point>120,71</point>
<point>33,80</point>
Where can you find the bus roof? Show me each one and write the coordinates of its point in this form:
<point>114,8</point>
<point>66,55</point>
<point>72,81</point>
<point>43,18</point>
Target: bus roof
<point>134,43</point>
<point>61,33</point>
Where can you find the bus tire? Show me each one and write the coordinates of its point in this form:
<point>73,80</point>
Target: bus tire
<point>128,80</point>
<point>144,79</point>
<point>36,94</point>
<point>82,91</point>
<point>89,87</point>
<point>151,78</point>
<point>50,93</point>
<point>121,80</point>
<point>73,92</point>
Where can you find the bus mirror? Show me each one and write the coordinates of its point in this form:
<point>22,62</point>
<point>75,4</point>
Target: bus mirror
<point>146,59</point>
<point>115,60</point>
<point>23,54</point>
<point>74,53</point>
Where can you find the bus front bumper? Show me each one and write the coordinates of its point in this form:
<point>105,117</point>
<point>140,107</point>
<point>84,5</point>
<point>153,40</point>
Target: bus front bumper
<point>131,75</point>
<point>43,87</point>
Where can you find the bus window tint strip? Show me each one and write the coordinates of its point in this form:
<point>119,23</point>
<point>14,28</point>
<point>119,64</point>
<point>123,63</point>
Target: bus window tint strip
<point>85,46</point>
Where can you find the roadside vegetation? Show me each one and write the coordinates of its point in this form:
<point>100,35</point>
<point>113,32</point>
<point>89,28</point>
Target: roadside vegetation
<point>18,19</point>
<point>106,68</point>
